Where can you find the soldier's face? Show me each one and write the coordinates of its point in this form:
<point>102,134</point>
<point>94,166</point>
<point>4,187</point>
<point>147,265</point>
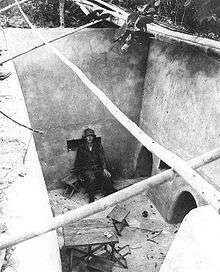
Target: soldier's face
<point>89,139</point>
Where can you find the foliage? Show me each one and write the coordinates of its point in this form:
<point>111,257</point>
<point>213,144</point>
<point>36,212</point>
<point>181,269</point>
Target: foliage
<point>195,16</point>
<point>200,17</point>
<point>43,13</point>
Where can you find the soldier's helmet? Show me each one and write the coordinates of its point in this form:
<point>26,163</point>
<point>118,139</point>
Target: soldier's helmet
<point>89,132</point>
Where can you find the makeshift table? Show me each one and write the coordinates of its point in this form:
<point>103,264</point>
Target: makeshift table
<point>90,236</point>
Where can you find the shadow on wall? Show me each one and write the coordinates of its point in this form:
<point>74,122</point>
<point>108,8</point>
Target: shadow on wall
<point>184,203</point>
<point>144,163</point>
<point>192,58</point>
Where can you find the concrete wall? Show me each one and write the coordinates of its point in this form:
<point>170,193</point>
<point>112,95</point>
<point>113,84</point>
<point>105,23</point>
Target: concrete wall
<point>181,111</point>
<point>24,202</point>
<point>62,106</point>
<point>178,105</point>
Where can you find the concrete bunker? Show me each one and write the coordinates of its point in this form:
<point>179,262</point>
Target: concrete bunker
<point>183,204</point>
<point>144,163</point>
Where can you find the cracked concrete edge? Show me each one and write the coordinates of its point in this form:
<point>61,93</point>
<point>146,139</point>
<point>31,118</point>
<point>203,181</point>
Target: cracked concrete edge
<point>25,200</point>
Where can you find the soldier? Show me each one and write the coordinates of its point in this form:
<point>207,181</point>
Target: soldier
<point>90,163</point>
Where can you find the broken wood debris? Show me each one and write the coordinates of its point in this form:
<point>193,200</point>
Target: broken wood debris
<point>150,240</point>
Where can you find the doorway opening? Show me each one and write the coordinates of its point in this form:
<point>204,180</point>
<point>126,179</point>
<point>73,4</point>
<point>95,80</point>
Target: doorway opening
<point>144,163</point>
<point>182,206</point>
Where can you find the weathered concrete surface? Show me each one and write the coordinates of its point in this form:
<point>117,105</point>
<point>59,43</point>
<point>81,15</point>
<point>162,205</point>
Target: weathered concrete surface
<point>181,111</point>
<point>62,106</point>
<point>196,244</point>
<point>24,199</point>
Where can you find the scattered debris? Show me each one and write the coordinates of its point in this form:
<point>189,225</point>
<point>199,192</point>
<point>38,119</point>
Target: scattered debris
<point>137,247</point>
<point>145,213</point>
<point>107,234</point>
<point>157,234</point>
<point>3,227</point>
<point>7,258</point>
<point>150,240</point>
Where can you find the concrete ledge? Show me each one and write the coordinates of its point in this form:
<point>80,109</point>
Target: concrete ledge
<point>195,247</point>
<point>24,198</point>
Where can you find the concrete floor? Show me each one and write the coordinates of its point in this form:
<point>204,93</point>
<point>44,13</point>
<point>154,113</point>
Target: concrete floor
<point>148,237</point>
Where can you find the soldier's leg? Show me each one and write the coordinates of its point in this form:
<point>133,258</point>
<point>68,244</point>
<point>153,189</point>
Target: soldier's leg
<point>90,184</point>
<point>106,183</point>
<point>108,186</point>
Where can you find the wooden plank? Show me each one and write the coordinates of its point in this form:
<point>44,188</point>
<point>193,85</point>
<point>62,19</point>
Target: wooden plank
<point>119,213</point>
<point>90,223</point>
<point>84,231</point>
<point>89,232</point>
<point>91,238</point>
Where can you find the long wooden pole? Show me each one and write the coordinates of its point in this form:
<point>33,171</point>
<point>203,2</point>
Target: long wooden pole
<point>206,190</point>
<point>50,41</point>
<point>101,204</point>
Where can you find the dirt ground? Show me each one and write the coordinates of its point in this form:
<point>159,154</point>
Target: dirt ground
<point>149,238</point>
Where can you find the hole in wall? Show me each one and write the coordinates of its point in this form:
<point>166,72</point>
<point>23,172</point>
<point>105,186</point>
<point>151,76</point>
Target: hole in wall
<point>144,163</point>
<point>182,206</point>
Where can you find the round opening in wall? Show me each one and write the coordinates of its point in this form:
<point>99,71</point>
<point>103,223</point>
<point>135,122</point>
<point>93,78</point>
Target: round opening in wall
<point>184,203</point>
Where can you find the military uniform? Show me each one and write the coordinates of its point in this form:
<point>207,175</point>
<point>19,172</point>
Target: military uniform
<point>90,163</point>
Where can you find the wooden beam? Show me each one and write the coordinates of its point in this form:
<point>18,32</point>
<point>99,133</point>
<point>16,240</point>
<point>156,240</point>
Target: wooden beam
<point>101,204</point>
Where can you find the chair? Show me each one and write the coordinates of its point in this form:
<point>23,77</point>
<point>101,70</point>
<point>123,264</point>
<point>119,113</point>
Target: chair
<point>118,216</point>
<point>73,183</point>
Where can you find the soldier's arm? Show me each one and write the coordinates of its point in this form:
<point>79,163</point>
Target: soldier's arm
<point>104,162</point>
<point>102,156</point>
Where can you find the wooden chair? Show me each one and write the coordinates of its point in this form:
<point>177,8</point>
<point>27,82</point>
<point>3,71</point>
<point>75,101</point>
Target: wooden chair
<point>73,184</point>
<point>118,216</point>
<point>73,144</point>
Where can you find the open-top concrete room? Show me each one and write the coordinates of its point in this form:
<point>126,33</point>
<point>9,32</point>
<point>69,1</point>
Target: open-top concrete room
<point>109,140</point>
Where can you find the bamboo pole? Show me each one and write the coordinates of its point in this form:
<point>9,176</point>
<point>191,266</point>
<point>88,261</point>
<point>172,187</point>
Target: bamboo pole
<point>7,240</point>
<point>51,41</point>
<point>207,45</point>
<point>204,189</point>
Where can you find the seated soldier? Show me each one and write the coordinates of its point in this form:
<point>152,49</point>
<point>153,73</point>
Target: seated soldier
<point>90,163</point>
